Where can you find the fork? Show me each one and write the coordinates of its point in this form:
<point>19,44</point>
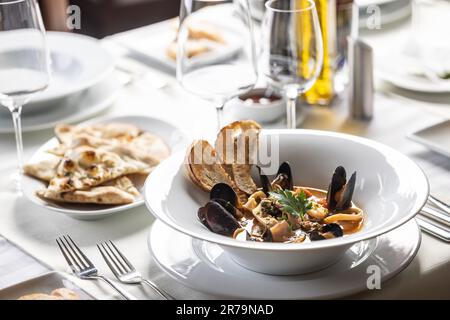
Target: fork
<point>440,204</point>
<point>82,267</point>
<point>124,270</point>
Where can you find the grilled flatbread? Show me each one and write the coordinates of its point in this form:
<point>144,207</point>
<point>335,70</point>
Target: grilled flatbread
<point>57,294</point>
<point>45,170</point>
<point>119,191</point>
<point>204,30</point>
<point>110,131</point>
<point>39,296</point>
<point>192,49</point>
<point>65,294</point>
<point>86,167</point>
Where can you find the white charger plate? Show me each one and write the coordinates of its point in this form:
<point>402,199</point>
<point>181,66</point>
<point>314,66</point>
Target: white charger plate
<point>175,139</point>
<point>69,110</point>
<point>78,62</point>
<point>43,284</point>
<point>206,267</point>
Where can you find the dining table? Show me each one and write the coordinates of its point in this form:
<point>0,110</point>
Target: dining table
<point>28,231</point>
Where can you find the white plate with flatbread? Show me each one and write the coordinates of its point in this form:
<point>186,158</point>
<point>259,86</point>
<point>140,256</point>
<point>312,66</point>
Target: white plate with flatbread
<point>90,174</point>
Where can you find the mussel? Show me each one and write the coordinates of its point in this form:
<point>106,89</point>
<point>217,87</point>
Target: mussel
<point>220,214</point>
<point>332,230</point>
<point>218,219</point>
<point>225,192</point>
<point>340,191</point>
<point>283,179</point>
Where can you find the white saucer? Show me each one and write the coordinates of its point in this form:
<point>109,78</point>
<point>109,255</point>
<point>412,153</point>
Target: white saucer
<point>174,138</point>
<point>72,109</point>
<point>205,267</point>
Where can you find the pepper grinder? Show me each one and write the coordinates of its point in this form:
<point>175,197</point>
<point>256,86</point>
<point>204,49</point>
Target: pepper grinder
<point>361,86</point>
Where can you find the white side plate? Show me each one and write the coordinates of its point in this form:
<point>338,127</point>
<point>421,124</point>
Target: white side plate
<point>78,62</point>
<point>173,137</point>
<point>43,284</point>
<point>69,110</point>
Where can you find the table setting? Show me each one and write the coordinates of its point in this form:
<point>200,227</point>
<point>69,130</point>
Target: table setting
<point>241,146</point>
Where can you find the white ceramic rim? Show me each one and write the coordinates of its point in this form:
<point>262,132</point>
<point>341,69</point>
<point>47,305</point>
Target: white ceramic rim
<point>87,112</point>
<point>362,287</point>
<point>93,45</point>
<point>359,236</point>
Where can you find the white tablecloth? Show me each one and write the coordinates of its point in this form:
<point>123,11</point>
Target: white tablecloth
<point>35,228</point>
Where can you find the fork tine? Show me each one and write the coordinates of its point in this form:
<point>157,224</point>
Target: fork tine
<point>109,260</point>
<point>75,261</point>
<point>79,253</point>
<point>127,262</point>
<point>113,259</point>
<point>69,261</point>
<point>117,256</point>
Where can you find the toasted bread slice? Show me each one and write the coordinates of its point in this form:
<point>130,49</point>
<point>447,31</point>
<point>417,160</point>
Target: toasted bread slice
<point>236,145</point>
<point>204,167</point>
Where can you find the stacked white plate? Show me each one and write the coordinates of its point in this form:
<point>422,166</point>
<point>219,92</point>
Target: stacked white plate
<point>82,84</point>
<point>390,188</point>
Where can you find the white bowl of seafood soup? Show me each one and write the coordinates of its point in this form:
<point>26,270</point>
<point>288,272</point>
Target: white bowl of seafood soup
<point>390,188</point>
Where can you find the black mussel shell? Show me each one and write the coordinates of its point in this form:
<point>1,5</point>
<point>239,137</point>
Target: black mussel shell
<point>217,219</point>
<point>225,192</point>
<point>227,205</point>
<point>315,236</point>
<point>334,228</point>
<point>265,183</point>
<point>202,216</point>
<point>284,177</point>
<point>347,195</point>
<point>339,184</point>
<point>267,236</point>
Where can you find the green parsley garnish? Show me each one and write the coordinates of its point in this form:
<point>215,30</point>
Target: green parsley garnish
<point>295,204</point>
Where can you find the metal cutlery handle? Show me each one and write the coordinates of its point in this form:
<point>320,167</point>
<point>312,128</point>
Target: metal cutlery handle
<point>121,291</point>
<point>438,203</point>
<point>433,229</point>
<point>163,294</point>
<point>436,215</point>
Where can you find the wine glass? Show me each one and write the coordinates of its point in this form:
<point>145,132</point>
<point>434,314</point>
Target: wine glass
<point>227,67</point>
<point>291,49</point>
<point>24,62</point>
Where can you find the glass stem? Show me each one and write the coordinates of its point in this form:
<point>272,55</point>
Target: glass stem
<point>291,107</point>
<point>291,114</point>
<point>220,106</point>
<point>16,111</point>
